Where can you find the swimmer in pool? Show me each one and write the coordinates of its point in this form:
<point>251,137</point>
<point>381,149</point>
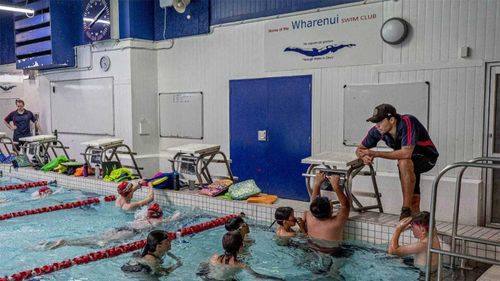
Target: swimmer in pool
<point>153,219</point>
<point>43,192</point>
<point>320,221</point>
<point>151,259</point>
<point>126,193</point>
<point>227,265</point>
<point>237,223</point>
<point>420,227</point>
<point>286,219</point>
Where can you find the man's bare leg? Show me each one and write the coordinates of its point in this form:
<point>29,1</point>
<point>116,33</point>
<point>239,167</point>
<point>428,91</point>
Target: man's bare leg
<point>415,204</point>
<point>408,180</point>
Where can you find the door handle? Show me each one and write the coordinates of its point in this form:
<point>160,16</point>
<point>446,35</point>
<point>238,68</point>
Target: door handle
<point>262,135</point>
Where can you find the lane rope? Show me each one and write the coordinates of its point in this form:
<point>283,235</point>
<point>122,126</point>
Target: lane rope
<point>23,185</point>
<point>111,252</point>
<point>63,206</point>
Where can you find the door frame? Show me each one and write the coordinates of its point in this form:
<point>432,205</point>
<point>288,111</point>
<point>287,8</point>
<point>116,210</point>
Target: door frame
<point>492,69</point>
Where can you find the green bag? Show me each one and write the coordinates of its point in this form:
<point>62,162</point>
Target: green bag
<point>119,175</point>
<point>243,190</point>
<point>54,163</point>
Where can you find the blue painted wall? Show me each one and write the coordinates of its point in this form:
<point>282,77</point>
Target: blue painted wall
<point>137,19</point>
<point>7,45</point>
<point>224,11</point>
<point>178,25</point>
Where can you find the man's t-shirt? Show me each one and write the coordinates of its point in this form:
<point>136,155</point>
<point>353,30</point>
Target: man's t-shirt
<point>409,132</point>
<point>22,122</point>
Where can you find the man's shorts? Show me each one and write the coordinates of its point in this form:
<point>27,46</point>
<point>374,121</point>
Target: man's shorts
<point>421,164</point>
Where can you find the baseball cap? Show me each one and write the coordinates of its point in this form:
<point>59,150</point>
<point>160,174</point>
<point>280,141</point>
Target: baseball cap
<point>381,112</point>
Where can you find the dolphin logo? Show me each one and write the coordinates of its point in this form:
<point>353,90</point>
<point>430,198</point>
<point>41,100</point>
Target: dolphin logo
<point>315,52</point>
<point>6,88</point>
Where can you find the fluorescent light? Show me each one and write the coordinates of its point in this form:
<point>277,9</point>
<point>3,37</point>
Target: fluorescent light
<point>16,9</point>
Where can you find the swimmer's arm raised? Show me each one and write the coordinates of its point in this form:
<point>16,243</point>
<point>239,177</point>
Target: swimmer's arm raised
<point>396,249</point>
<point>149,198</point>
<point>343,214</point>
<point>318,179</point>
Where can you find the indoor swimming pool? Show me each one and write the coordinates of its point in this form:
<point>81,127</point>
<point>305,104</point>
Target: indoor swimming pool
<point>24,242</point>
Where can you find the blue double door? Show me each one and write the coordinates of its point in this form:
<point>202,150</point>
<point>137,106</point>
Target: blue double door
<point>270,133</point>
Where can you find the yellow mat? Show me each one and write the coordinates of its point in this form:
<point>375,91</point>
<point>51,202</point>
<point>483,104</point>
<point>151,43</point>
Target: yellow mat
<point>263,199</point>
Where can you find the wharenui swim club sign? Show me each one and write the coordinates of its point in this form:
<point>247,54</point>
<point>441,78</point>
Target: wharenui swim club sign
<point>348,36</point>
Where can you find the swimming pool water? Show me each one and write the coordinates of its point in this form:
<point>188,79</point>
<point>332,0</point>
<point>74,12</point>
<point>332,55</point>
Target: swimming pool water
<point>20,238</point>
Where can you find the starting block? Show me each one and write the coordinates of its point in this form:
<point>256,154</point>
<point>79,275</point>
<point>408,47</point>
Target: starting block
<point>344,165</point>
<point>37,148</point>
<point>108,149</point>
<point>6,142</point>
<point>195,159</point>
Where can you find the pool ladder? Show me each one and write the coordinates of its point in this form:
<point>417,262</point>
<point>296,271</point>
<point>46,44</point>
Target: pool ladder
<point>480,162</point>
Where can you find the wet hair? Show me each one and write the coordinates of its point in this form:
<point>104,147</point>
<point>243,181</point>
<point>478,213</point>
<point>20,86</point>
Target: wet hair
<point>321,208</point>
<point>231,242</point>
<point>422,219</point>
<point>282,214</point>
<point>154,239</point>
<point>234,223</point>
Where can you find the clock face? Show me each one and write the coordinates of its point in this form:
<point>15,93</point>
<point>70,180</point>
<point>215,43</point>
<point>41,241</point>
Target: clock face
<point>96,20</point>
<point>105,63</point>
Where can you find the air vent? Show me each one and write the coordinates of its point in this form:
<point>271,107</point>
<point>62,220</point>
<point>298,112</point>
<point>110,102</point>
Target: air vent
<point>47,38</point>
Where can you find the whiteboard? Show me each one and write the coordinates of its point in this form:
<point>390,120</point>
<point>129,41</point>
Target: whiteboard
<point>181,115</point>
<point>83,106</point>
<point>360,100</point>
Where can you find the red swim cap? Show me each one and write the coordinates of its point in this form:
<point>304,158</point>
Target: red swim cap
<point>154,211</point>
<point>124,188</point>
<point>44,190</point>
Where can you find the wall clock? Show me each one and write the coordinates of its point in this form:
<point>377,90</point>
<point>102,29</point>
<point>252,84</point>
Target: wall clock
<point>105,63</point>
<point>96,20</point>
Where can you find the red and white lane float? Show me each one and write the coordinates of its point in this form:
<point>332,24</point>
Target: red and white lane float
<point>64,206</point>
<point>23,185</point>
<point>204,226</point>
<point>110,252</point>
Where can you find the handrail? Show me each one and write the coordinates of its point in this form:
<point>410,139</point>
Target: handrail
<point>472,163</point>
<point>458,185</point>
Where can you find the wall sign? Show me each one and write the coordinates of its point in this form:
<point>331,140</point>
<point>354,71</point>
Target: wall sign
<point>11,85</point>
<point>338,37</point>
